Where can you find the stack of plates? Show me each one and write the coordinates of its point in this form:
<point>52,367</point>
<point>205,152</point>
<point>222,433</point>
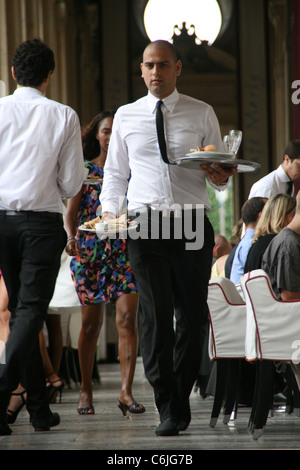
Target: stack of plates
<point>194,160</point>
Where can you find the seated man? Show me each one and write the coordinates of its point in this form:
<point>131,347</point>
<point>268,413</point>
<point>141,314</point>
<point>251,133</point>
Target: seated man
<point>278,181</point>
<point>250,214</point>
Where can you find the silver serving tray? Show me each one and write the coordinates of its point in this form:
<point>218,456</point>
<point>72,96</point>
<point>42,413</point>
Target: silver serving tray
<point>194,161</point>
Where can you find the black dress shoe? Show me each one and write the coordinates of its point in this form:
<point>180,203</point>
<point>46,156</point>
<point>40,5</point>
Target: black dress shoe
<point>53,420</point>
<point>167,428</point>
<point>5,429</point>
<point>184,416</point>
<point>183,424</point>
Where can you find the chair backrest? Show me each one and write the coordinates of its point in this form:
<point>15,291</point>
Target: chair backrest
<point>273,326</point>
<point>227,315</point>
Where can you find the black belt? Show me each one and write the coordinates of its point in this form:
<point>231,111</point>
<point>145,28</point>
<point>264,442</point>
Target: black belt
<point>31,214</point>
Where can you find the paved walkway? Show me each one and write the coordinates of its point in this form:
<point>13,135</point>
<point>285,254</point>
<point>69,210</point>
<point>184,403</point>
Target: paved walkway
<point>109,431</point>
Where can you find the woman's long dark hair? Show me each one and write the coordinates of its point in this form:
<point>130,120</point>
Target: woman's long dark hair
<point>90,145</point>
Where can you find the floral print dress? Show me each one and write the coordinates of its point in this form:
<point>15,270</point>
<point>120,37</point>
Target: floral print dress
<point>101,272</point>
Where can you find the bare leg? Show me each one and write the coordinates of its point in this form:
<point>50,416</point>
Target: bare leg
<point>54,382</point>
<point>18,397</point>
<point>46,359</point>
<point>4,312</point>
<point>55,348</point>
<point>92,319</point>
<point>126,321</point>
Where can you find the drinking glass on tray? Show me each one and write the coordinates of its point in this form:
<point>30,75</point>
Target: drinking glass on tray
<point>235,139</point>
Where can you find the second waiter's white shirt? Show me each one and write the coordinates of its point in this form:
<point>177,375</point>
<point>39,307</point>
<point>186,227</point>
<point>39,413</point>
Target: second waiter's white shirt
<point>273,183</point>
<point>41,158</point>
<point>134,154</point>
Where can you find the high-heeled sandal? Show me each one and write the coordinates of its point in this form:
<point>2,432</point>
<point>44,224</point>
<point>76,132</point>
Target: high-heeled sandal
<point>54,390</point>
<point>134,408</point>
<point>86,410</point>
<point>11,415</point>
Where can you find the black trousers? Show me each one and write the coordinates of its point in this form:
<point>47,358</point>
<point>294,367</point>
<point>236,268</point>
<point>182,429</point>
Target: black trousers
<point>31,244</point>
<point>172,279</point>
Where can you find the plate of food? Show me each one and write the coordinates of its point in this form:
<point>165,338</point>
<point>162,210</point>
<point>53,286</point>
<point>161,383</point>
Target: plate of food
<point>90,225</point>
<point>207,155</point>
<point>110,228</point>
<point>92,180</point>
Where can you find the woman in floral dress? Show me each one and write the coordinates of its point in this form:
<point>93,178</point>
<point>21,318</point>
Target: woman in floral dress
<point>101,273</point>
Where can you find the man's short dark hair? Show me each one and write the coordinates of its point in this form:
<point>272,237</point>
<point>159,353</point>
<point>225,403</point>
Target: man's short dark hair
<point>167,45</point>
<point>32,62</point>
<point>251,209</point>
<point>293,149</point>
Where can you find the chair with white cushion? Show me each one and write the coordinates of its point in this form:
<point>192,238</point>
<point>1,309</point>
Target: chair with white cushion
<point>273,334</point>
<point>227,315</point>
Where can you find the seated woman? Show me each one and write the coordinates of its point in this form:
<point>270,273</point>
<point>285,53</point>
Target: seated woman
<point>220,253</point>
<point>278,212</point>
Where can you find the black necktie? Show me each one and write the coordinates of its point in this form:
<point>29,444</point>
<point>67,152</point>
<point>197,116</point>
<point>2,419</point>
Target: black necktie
<point>290,186</point>
<point>161,133</point>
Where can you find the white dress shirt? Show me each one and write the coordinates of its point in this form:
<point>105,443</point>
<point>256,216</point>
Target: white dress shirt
<point>271,184</point>
<point>134,154</point>
<point>41,158</point>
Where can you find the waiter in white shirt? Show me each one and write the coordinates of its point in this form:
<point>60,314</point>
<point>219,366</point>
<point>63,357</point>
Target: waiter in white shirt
<point>282,179</point>
<point>170,277</point>
<point>41,162</point>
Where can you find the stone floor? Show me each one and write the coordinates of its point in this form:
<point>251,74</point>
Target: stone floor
<point>109,431</point>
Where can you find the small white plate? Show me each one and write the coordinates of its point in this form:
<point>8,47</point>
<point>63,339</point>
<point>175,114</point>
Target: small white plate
<point>92,181</point>
<point>109,232</point>
<point>214,155</point>
<point>83,229</point>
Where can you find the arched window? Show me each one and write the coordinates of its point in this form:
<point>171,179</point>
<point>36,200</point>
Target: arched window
<point>201,17</point>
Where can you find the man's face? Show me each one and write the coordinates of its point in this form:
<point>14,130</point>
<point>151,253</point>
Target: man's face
<point>292,168</point>
<point>160,71</point>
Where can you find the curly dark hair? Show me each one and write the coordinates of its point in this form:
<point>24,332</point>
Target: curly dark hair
<point>90,145</point>
<point>32,62</point>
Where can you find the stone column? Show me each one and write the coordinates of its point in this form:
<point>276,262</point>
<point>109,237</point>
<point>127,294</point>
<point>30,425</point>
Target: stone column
<point>254,90</point>
<point>115,59</point>
<point>67,27</point>
<point>280,41</point>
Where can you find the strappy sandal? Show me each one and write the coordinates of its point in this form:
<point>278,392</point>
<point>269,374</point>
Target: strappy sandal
<point>134,408</point>
<point>54,390</point>
<point>86,410</point>
<point>11,415</point>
